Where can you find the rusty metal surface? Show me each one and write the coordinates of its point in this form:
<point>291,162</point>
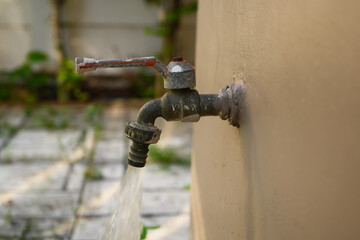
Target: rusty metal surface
<point>142,133</point>
<point>179,74</point>
<point>90,64</point>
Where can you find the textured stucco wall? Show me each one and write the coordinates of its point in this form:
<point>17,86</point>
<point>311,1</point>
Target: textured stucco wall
<point>292,171</point>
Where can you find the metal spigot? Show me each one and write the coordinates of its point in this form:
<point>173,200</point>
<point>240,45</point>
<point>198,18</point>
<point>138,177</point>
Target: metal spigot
<point>181,103</point>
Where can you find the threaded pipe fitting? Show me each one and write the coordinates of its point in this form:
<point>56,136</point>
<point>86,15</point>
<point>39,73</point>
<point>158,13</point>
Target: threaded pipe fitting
<point>142,136</point>
<point>138,154</point>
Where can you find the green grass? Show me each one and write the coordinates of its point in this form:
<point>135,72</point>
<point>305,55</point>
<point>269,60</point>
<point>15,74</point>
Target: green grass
<point>167,156</point>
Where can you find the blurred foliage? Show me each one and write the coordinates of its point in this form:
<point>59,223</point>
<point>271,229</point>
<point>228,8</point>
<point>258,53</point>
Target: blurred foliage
<point>7,129</point>
<point>69,82</point>
<point>145,86</point>
<point>167,27</point>
<point>24,83</point>
<point>8,217</point>
<point>145,229</point>
<point>59,118</point>
<point>92,113</point>
<point>51,118</point>
<point>167,156</point>
<point>51,123</point>
<point>92,118</point>
<point>171,16</point>
<point>92,172</point>
<point>27,75</point>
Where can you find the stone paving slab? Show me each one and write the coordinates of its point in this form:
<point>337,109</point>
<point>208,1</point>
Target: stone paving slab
<point>53,201</point>
<point>75,178</point>
<point>165,203</point>
<point>98,198</point>
<point>12,118</point>
<point>156,178</point>
<point>111,150</point>
<point>112,171</point>
<point>90,228</point>
<point>114,120</point>
<point>98,201</point>
<point>109,172</point>
<point>44,228</point>
<point>171,228</point>
<point>47,116</point>
<point>34,145</point>
<point>12,115</point>
<point>176,136</point>
<point>41,205</point>
<point>13,176</point>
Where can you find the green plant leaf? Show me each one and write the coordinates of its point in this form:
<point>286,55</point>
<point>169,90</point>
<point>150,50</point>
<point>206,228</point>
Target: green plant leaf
<point>23,71</point>
<point>189,8</point>
<point>144,231</point>
<point>36,56</point>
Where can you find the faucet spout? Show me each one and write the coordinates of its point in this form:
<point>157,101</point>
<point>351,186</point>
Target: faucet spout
<point>149,112</point>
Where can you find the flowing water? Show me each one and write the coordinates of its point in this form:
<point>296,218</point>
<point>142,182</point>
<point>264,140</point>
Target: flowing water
<point>124,223</point>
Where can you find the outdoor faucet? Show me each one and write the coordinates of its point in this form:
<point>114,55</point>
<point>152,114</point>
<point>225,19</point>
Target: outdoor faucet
<point>181,103</point>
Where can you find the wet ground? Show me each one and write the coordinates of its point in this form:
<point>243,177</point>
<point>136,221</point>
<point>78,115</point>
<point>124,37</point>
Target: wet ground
<point>59,167</point>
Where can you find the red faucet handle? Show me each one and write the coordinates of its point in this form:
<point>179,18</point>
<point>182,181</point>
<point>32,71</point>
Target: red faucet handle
<point>90,64</point>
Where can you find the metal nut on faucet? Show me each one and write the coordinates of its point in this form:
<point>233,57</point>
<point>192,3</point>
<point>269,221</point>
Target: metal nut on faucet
<point>181,75</point>
<point>142,133</point>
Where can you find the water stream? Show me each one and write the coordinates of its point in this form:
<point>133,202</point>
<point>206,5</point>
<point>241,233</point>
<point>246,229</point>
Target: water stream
<point>124,224</point>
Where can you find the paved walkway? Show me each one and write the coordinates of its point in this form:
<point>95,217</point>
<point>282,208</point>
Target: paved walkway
<point>60,166</point>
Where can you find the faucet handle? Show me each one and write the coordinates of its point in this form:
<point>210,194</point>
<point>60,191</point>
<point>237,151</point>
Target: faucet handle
<point>179,74</point>
<point>89,64</point>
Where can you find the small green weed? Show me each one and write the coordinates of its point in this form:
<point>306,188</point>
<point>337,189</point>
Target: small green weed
<point>69,82</point>
<point>8,217</point>
<point>92,113</point>
<point>51,123</point>
<point>27,74</point>
<point>27,229</point>
<point>167,156</point>
<point>145,84</point>
<point>92,172</point>
<point>7,129</point>
<point>145,229</point>
<point>52,118</point>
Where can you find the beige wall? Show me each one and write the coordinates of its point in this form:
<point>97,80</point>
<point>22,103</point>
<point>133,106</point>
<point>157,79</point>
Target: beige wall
<point>292,170</point>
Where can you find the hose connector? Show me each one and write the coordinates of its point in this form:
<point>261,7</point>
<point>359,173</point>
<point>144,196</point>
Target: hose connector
<point>142,136</point>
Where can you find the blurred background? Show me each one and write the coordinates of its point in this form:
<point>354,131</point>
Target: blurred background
<point>40,38</point>
<point>62,147</point>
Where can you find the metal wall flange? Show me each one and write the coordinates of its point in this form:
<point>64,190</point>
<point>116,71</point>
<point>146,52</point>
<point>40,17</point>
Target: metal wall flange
<point>231,103</point>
